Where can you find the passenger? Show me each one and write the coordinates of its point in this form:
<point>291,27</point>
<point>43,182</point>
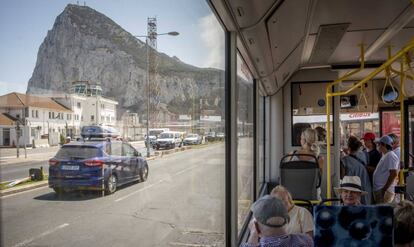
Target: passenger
<point>395,144</point>
<point>404,224</point>
<point>321,134</point>
<point>373,155</point>
<point>267,226</point>
<point>354,164</point>
<point>310,147</point>
<point>350,191</point>
<point>301,220</point>
<point>386,172</point>
<point>308,144</point>
<point>298,128</point>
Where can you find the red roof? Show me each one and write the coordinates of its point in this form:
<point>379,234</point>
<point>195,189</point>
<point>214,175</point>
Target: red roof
<point>19,100</point>
<point>5,120</point>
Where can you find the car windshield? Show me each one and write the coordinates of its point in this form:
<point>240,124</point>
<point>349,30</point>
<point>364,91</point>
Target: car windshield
<point>191,135</point>
<point>91,129</point>
<point>76,152</point>
<point>166,135</point>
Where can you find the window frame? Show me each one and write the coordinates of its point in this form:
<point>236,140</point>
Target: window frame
<point>291,110</point>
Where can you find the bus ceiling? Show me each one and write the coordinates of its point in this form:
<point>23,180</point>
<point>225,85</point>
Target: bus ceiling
<point>282,37</point>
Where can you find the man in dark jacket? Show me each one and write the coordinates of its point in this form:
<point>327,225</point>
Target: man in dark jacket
<point>373,155</point>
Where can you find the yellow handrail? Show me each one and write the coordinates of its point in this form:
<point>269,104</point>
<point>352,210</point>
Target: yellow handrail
<point>330,94</point>
<point>394,70</point>
<point>401,98</point>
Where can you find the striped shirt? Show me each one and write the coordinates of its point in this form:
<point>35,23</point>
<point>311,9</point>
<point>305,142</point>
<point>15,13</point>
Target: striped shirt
<point>300,240</point>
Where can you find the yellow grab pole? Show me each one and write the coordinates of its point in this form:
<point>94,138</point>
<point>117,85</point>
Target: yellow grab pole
<point>376,71</point>
<point>401,99</point>
<point>394,70</point>
<point>330,94</point>
<point>328,141</point>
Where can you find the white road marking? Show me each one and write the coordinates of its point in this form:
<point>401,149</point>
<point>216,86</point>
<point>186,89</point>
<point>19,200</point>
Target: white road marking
<point>28,241</point>
<point>152,185</point>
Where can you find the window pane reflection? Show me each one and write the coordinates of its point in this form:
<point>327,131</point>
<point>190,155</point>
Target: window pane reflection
<point>245,140</point>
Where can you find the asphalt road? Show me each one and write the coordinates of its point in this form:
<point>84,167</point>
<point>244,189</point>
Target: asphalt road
<point>181,204</point>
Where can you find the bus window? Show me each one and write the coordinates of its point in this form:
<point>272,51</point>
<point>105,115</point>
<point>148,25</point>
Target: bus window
<point>245,140</point>
<point>309,111</point>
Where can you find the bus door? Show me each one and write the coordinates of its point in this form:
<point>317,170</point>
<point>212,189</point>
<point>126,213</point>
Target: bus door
<point>409,133</point>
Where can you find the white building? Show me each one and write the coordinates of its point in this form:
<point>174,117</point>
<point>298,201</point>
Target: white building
<point>37,117</point>
<point>88,105</point>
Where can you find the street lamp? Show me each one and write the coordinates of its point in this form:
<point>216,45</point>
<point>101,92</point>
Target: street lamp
<point>152,35</point>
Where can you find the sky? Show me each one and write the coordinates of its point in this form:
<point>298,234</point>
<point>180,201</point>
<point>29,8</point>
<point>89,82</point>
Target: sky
<point>24,25</point>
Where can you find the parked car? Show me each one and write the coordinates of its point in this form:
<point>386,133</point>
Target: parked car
<point>220,136</point>
<point>96,165</point>
<point>169,139</point>
<point>152,141</point>
<point>210,136</point>
<point>192,139</point>
<point>153,135</point>
<point>98,131</point>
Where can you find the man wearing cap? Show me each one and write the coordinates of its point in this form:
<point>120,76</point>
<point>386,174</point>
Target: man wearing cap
<point>267,227</point>
<point>395,144</point>
<point>350,191</point>
<point>373,156</point>
<point>386,172</point>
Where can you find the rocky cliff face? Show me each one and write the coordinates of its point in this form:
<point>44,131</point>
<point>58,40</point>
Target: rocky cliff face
<point>86,45</point>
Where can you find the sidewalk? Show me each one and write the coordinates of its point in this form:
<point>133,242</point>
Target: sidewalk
<point>22,159</point>
<point>11,152</point>
<point>23,188</point>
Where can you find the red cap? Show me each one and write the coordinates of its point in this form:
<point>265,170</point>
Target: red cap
<point>369,136</point>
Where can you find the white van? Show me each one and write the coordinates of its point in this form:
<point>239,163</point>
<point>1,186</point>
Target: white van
<point>169,139</point>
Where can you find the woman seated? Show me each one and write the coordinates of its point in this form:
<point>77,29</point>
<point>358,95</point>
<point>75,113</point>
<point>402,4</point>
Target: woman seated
<point>301,220</point>
<point>309,146</point>
<point>309,151</point>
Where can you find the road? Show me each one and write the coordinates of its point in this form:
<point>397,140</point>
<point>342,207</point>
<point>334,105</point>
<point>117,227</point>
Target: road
<point>181,204</point>
<point>12,168</point>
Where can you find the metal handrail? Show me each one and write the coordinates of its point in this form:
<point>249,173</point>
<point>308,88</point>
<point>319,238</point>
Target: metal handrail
<point>330,94</point>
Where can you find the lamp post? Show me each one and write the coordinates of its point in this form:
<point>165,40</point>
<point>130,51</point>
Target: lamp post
<point>147,37</point>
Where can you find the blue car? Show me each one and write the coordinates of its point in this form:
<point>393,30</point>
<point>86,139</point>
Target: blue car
<point>96,165</point>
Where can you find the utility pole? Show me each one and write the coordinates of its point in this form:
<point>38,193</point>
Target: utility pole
<point>17,138</point>
<point>151,45</point>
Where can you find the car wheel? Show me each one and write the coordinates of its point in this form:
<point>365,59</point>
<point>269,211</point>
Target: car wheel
<point>144,173</point>
<point>111,184</point>
<point>58,191</point>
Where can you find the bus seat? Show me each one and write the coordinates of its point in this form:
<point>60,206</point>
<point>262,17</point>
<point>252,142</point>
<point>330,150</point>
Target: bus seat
<point>300,177</point>
<point>304,203</point>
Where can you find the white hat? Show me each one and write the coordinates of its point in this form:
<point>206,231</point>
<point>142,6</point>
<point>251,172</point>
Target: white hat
<point>352,183</point>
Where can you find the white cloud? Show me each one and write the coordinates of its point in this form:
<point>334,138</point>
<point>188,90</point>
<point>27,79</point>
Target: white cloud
<point>212,35</point>
<point>8,87</point>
